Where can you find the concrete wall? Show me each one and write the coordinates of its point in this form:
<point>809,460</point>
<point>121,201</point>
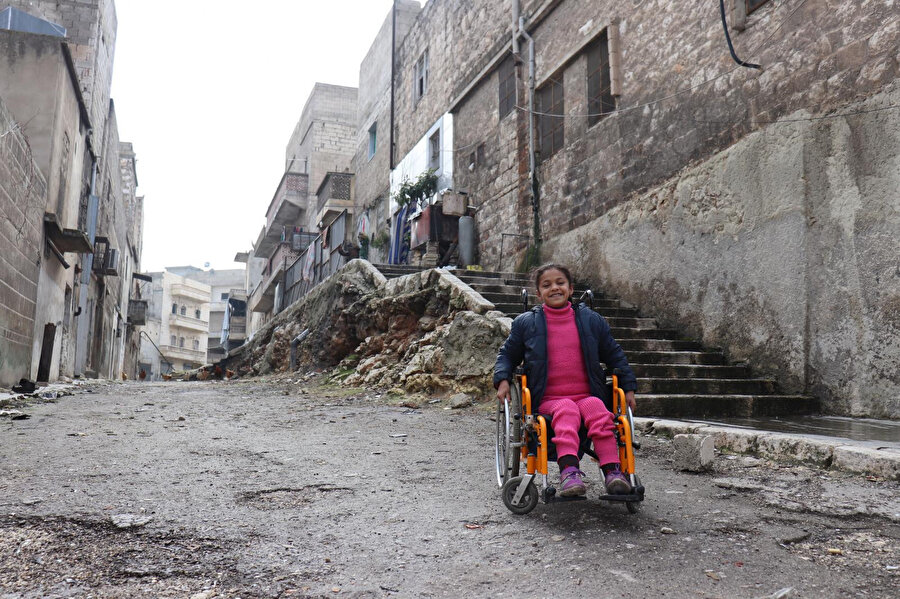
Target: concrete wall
<point>22,196</point>
<point>781,249</point>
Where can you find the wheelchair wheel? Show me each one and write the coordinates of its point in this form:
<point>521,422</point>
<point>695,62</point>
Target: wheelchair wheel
<point>509,435</point>
<point>528,501</point>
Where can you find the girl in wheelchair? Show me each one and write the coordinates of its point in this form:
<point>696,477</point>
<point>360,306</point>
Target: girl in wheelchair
<point>563,346</point>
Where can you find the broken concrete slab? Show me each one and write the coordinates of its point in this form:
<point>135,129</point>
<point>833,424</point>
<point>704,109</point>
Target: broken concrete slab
<point>694,453</point>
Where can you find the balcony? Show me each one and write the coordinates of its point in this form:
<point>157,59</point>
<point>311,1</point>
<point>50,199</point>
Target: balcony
<point>66,240</point>
<point>187,291</point>
<point>287,209</point>
<point>334,195</point>
<point>186,322</point>
<point>173,352</point>
<point>263,297</point>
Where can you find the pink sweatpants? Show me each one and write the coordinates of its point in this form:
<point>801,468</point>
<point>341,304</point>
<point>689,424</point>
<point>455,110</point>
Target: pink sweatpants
<point>567,416</point>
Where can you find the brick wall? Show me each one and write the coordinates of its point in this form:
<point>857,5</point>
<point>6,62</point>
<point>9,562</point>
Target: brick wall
<point>22,198</point>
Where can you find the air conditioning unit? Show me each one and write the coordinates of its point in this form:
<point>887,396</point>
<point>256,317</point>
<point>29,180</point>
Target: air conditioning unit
<point>111,262</point>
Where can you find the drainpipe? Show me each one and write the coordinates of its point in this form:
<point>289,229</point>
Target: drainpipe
<point>520,32</point>
<point>296,341</point>
<point>393,60</point>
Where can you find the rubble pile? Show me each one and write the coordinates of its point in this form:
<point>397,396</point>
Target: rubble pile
<point>425,332</point>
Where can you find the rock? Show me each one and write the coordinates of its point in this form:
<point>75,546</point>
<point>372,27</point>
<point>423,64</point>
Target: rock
<point>129,520</point>
<point>694,453</point>
<point>460,400</point>
<point>667,531</point>
<point>785,593</point>
<point>204,594</point>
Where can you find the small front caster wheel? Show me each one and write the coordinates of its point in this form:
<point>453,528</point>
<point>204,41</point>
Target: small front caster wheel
<point>632,506</point>
<point>528,500</point>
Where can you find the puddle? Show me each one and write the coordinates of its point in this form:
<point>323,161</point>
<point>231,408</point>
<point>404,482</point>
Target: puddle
<point>858,429</point>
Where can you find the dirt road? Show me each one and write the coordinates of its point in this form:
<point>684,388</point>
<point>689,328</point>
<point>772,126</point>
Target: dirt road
<point>269,488</point>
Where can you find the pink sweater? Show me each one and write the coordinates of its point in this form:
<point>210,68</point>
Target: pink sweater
<point>566,374</point>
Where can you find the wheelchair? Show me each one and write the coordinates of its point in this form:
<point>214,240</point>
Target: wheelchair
<point>523,438</point>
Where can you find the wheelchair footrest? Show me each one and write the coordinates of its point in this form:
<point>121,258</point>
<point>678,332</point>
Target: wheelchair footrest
<point>637,494</point>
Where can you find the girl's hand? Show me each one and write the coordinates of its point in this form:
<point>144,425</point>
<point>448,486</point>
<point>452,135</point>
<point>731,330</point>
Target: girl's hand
<point>503,390</point>
<point>629,399</point>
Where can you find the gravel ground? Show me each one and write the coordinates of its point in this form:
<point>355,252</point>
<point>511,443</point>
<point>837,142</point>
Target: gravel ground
<point>284,488</point>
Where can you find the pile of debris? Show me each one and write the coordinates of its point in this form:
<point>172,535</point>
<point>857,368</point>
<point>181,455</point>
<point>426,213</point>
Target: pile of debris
<point>425,332</point>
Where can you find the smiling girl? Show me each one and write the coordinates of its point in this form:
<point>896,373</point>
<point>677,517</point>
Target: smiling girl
<point>563,346</point>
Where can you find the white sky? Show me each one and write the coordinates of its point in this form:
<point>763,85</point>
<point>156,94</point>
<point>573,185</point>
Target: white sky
<point>209,91</point>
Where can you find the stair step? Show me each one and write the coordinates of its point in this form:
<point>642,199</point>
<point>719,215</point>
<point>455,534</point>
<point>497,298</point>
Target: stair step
<point>706,386</point>
<point>689,371</point>
<point>720,406</point>
<point>668,357</point>
<point>658,345</point>
<point>631,322</point>
<point>635,333</point>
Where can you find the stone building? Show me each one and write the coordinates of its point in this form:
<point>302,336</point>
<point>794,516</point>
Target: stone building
<point>753,209</point>
<point>177,326</point>
<point>72,193</point>
<point>372,161</point>
<point>312,205</point>
<point>223,285</point>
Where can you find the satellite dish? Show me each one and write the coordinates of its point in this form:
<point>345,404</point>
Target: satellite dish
<point>206,265</point>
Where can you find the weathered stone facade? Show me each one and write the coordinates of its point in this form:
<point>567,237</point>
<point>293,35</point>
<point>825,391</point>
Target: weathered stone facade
<point>372,169</point>
<point>22,192</point>
<point>727,201</point>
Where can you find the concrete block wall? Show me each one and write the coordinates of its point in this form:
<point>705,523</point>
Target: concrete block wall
<point>22,198</point>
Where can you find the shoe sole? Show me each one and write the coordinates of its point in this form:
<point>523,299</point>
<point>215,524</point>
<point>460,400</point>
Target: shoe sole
<point>576,492</point>
<point>618,488</point>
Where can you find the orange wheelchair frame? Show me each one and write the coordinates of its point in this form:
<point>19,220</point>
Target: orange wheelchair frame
<point>523,437</point>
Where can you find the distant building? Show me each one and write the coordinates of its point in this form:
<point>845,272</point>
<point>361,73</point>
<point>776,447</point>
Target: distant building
<point>223,284</point>
<point>177,325</point>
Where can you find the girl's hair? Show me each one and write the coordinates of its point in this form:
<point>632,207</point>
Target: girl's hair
<point>542,269</point>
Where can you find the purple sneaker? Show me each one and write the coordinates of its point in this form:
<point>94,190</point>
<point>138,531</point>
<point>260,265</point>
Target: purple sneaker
<point>570,483</point>
<point>616,483</point>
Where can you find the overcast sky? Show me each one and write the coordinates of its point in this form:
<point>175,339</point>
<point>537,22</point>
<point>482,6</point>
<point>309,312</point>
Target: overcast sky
<point>209,91</point>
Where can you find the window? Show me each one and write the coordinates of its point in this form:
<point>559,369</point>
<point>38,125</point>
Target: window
<point>183,310</point>
<point>434,151</point>
<point>174,308</point>
<point>754,4</point>
<point>173,341</point>
<point>420,77</point>
<point>506,73</point>
<point>181,342</point>
<point>197,313</point>
<point>551,122</point>
<point>196,344</point>
<point>224,296</point>
<point>600,98</point>
<point>373,139</point>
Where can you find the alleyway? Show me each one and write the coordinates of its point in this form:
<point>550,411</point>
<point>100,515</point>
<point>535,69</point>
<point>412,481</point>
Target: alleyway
<point>274,488</point>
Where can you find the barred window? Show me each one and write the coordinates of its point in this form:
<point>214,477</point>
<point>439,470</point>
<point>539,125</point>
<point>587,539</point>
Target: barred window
<point>506,73</point>
<point>551,122</point>
<point>600,98</point>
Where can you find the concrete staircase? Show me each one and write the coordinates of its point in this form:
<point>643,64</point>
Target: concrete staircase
<point>677,377</point>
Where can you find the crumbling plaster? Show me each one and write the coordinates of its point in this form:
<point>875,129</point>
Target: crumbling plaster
<point>782,249</point>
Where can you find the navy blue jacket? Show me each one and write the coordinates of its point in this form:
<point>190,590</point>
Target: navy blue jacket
<point>528,341</point>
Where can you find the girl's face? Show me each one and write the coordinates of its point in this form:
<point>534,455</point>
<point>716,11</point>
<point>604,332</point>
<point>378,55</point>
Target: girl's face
<point>554,288</point>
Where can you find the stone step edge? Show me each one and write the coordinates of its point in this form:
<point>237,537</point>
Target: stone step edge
<point>860,457</point>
